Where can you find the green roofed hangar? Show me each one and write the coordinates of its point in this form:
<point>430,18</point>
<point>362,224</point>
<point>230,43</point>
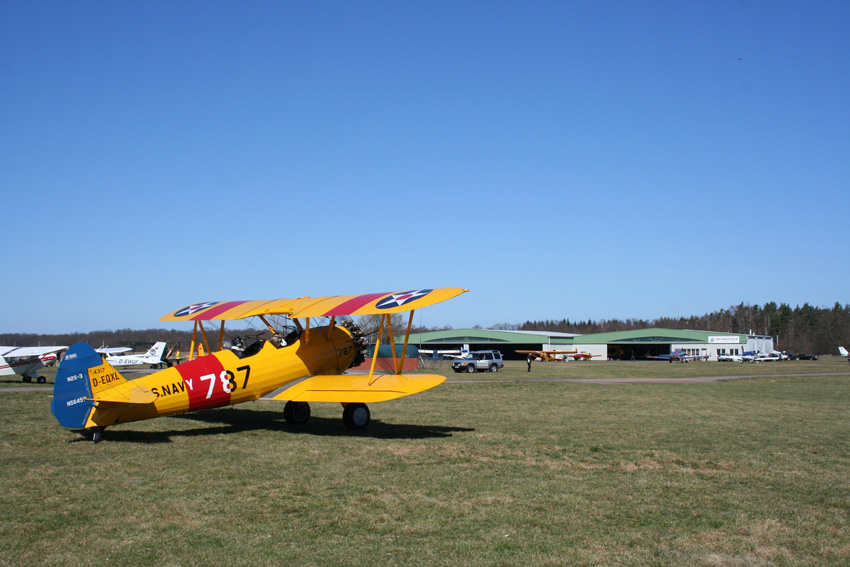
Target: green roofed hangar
<point>616,345</point>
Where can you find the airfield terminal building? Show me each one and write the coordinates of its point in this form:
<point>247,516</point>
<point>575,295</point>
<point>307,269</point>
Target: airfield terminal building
<point>617,345</point>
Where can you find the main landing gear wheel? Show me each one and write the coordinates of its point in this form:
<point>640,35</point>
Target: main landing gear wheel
<point>296,413</point>
<point>355,416</point>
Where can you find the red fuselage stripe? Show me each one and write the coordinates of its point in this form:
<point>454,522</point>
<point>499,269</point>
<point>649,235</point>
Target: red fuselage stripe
<point>203,381</point>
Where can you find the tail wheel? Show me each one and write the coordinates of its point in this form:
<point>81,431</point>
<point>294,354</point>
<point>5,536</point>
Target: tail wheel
<point>356,416</point>
<point>296,413</point>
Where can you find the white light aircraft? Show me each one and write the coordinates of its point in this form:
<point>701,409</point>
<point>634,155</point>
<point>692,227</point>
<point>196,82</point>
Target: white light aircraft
<point>26,361</point>
<point>453,353</point>
<point>153,357</point>
<point>111,350</point>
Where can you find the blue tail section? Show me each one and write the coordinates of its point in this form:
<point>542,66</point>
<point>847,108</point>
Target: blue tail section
<point>72,387</point>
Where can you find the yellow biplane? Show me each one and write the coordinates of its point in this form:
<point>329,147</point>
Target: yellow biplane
<point>301,366</point>
<point>549,355</point>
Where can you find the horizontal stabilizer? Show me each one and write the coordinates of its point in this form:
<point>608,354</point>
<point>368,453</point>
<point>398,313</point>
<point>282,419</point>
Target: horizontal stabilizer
<point>127,393</point>
<point>357,388</point>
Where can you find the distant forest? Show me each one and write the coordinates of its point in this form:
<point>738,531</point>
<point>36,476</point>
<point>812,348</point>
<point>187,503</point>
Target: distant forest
<point>815,330</point>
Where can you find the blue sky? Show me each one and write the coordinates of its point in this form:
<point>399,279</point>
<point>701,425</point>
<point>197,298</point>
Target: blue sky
<point>580,160</point>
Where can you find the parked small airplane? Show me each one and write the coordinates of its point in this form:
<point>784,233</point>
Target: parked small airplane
<point>749,355</point>
<point>303,366</point>
<point>549,355</point>
<point>111,350</point>
<point>26,361</point>
<point>676,355</point>
<point>451,353</point>
<point>771,356</point>
<point>152,357</point>
<point>583,356</point>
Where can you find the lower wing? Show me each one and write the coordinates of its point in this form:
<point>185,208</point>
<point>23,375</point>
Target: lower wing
<point>356,388</point>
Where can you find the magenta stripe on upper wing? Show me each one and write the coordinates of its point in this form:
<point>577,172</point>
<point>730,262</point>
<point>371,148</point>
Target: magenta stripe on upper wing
<point>353,304</point>
<point>215,310</point>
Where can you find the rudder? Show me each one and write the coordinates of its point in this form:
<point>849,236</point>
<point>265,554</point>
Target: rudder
<point>72,393</point>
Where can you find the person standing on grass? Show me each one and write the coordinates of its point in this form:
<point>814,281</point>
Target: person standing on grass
<point>528,360</point>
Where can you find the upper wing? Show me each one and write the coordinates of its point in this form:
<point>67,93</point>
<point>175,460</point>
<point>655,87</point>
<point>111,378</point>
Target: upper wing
<point>112,350</point>
<point>366,304</point>
<point>31,351</point>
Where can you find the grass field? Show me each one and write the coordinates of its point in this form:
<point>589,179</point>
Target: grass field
<point>491,469</point>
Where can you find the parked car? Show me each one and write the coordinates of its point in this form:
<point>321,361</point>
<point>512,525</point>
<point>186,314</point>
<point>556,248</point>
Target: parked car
<point>479,361</point>
<point>767,357</point>
<point>805,356</point>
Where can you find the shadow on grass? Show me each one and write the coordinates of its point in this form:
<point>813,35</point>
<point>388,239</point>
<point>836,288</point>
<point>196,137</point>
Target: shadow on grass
<point>232,421</point>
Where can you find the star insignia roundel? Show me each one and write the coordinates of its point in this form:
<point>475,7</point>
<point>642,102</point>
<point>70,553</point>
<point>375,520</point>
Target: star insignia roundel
<point>194,308</point>
<point>399,299</point>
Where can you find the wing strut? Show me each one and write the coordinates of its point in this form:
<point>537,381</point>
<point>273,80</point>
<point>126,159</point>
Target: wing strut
<point>204,334</point>
<point>398,360</point>
<point>270,328</point>
<point>392,342</point>
<point>206,342</point>
<point>406,339</point>
<point>192,344</point>
<point>375,352</point>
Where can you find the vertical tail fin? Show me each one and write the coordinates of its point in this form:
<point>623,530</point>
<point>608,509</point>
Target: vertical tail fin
<point>843,351</point>
<point>157,350</point>
<point>72,388</point>
<point>81,376</point>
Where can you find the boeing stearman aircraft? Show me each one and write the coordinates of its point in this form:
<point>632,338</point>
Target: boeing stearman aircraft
<point>299,368</point>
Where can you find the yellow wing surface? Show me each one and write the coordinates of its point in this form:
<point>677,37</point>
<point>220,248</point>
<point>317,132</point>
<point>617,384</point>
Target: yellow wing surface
<point>364,304</point>
<point>356,387</point>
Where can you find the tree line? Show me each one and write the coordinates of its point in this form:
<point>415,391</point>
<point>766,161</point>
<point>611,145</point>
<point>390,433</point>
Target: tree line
<point>816,330</point>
